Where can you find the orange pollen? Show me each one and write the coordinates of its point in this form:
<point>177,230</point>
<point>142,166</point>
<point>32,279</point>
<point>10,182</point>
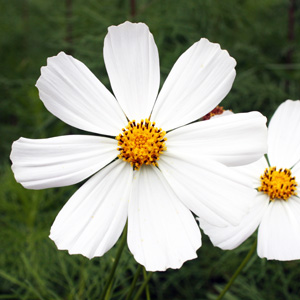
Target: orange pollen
<point>278,184</point>
<point>218,110</point>
<point>141,143</point>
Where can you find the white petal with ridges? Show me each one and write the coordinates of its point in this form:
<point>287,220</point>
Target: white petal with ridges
<point>92,220</point>
<point>284,137</point>
<point>211,190</point>
<point>230,237</point>
<point>279,231</point>
<point>60,161</point>
<point>198,82</point>
<point>132,64</point>
<point>232,140</point>
<point>71,92</point>
<point>162,232</point>
<point>253,171</point>
<point>296,173</point>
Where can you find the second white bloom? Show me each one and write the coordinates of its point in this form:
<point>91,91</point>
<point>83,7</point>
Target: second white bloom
<point>275,209</point>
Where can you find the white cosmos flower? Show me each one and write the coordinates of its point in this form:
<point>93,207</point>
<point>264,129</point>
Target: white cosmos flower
<point>275,209</point>
<point>166,180</point>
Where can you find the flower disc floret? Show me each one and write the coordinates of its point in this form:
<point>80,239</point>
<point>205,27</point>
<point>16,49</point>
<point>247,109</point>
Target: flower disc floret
<point>278,184</point>
<point>141,143</point>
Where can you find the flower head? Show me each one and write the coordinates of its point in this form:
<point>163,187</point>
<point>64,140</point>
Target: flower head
<point>141,143</point>
<point>275,209</point>
<point>153,174</point>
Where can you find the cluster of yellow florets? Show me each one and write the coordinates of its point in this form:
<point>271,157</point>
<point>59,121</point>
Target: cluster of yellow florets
<point>278,184</point>
<point>141,143</point>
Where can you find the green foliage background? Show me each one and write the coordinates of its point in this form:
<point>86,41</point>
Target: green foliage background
<point>256,34</point>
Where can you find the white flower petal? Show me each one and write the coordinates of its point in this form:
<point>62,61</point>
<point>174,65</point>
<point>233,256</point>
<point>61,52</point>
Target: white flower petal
<point>211,190</point>
<point>252,172</point>
<point>92,220</point>
<point>279,231</point>
<point>230,237</point>
<point>132,64</point>
<point>232,140</point>
<point>60,161</point>
<point>296,173</point>
<point>71,92</point>
<point>284,137</point>
<point>198,82</point>
<point>162,232</point>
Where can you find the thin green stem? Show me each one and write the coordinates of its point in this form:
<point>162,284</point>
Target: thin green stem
<point>135,278</point>
<point>238,270</point>
<point>113,270</point>
<point>107,295</point>
<point>147,286</point>
<point>141,289</point>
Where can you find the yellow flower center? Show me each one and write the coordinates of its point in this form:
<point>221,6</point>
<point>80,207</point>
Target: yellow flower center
<point>141,143</point>
<point>278,184</point>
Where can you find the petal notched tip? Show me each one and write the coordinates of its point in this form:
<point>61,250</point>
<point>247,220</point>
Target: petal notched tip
<point>216,47</point>
<point>50,61</point>
<point>127,25</point>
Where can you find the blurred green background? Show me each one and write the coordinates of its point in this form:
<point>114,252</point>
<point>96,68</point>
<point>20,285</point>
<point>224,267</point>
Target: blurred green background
<point>263,36</point>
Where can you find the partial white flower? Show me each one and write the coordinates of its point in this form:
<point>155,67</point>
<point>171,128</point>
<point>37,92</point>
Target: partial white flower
<point>161,174</point>
<point>275,209</point>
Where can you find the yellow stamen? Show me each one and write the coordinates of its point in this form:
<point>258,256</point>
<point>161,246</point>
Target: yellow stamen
<point>278,184</point>
<point>141,143</point>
